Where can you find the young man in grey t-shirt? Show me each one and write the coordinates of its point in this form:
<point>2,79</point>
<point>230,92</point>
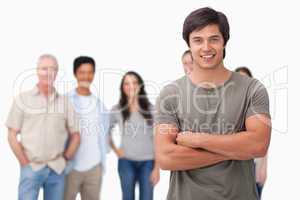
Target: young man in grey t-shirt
<point>212,123</point>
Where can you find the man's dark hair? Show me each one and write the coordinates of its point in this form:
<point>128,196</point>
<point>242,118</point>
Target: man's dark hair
<point>202,17</point>
<point>83,60</point>
<point>245,70</point>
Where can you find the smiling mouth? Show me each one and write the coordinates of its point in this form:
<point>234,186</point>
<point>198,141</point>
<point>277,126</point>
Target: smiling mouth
<point>208,56</point>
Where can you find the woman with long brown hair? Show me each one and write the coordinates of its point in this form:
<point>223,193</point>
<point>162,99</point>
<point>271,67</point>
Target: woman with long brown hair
<point>136,162</point>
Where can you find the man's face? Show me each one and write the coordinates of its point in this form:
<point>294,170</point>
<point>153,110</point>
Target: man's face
<point>187,62</point>
<point>207,45</point>
<point>85,75</point>
<point>47,71</point>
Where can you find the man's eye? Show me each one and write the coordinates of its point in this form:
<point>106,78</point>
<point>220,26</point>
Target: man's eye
<point>215,39</point>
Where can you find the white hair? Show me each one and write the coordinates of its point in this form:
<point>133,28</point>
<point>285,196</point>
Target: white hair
<point>47,56</point>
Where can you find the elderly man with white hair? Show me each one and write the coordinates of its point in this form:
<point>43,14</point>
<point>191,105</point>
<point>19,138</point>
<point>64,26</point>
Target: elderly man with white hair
<point>45,121</point>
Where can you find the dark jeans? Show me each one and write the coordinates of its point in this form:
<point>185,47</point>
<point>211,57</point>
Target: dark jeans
<point>259,189</point>
<point>130,173</point>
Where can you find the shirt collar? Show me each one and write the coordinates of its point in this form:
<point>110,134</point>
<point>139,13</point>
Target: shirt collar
<point>35,91</point>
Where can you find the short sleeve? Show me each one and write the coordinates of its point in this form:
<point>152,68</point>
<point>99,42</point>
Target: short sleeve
<point>258,100</point>
<point>166,107</point>
<point>15,116</point>
<point>71,118</point>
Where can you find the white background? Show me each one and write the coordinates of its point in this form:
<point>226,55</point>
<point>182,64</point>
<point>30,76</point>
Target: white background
<point>145,36</point>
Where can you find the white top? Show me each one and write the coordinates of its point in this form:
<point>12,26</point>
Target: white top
<point>88,154</point>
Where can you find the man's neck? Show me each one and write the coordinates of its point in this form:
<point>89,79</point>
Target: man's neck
<point>209,77</point>
<point>45,90</point>
<point>83,91</point>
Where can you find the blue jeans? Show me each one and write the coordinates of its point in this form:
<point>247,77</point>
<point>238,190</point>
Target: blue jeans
<point>130,173</point>
<point>31,182</point>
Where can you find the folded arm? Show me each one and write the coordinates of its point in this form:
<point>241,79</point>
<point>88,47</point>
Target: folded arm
<point>171,156</point>
<point>243,145</point>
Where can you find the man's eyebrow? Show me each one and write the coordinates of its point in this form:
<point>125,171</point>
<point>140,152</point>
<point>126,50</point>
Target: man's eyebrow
<point>215,36</point>
<point>212,36</point>
<point>196,37</point>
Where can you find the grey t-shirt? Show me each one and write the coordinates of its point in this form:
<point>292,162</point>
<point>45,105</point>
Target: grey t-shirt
<point>221,110</point>
<point>136,134</point>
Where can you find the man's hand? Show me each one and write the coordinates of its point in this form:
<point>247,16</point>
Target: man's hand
<point>24,163</point>
<point>189,139</point>
<point>74,142</point>
<point>17,147</point>
<point>172,156</point>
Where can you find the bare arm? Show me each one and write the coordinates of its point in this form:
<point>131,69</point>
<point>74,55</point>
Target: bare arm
<point>244,145</point>
<point>112,144</point>
<point>155,174</point>
<point>74,142</point>
<point>119,152</point>
<point>171,156</point>
<point>17,147</point>
<point>261,170</point>
<point>113,121</point>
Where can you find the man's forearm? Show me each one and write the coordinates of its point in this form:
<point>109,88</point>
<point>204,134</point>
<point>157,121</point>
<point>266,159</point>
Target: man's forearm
<point>17,148</point>
<point>72,146</point>
<point>171,156</point>
<point>244,145</point>
<point>238,146</point>
<point>185,158</point>
<point>156,165</point>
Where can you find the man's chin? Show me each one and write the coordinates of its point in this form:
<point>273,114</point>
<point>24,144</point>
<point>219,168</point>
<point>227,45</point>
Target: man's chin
<point>46,83</point>
<point>84,84</point>
<point>208,67</point>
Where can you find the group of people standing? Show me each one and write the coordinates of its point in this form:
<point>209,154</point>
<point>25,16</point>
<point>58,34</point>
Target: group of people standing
<point>65,138</point>
<point>206,128</point>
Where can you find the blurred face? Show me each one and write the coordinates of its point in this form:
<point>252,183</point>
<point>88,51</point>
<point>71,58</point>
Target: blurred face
<point>207,47</point>
<point>85,75</point>
<point>131,86</point>
<point>187,62</point>
<point>47,71</point>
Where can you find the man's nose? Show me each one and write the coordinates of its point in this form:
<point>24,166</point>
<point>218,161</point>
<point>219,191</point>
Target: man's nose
<point>206,46</point>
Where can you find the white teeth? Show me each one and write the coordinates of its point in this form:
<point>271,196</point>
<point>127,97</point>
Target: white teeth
<point>207,56</point>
